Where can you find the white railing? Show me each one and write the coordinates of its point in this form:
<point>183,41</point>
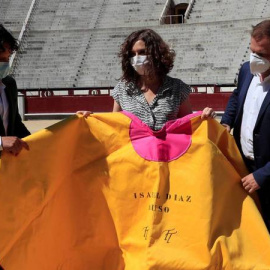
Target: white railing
<point>164,11</point>
<point>171,19</point>
<point>23,28</point>
<point>190,6</point>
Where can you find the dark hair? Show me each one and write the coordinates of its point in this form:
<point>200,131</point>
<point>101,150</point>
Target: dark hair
<point>160,56</point>
<point>261,30</point>
<point>6,37</point>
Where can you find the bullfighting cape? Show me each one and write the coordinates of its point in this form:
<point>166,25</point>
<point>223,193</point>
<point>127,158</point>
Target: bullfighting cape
<point>108,193</point>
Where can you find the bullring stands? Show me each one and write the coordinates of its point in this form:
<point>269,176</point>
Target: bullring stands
<point>227,10</point>
<point>70,43</point>
<point>13,13</point>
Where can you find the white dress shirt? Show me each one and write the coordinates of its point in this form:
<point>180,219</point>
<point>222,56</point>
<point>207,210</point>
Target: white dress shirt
<point>4,109</point>
<point>254,99</point>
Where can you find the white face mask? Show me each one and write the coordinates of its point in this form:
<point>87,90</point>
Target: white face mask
<point>258,64</point>
<point>4,69</point>
<point>139,63</point>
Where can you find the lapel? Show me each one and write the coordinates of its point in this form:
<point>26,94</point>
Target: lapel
<point>263,107</point>
<point>2,129</point>
<point>243,93</point>
<point>8,92</point>
<point>139,96</point>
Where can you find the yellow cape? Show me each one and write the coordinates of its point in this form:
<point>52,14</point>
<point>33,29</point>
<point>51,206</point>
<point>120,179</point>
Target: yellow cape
<point>83,199</point>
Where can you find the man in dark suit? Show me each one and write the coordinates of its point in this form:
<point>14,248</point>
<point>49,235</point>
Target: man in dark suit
<point>11,126</point>
<point>248,113</point>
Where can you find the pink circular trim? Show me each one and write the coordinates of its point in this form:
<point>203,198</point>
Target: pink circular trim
<point>167,144</point>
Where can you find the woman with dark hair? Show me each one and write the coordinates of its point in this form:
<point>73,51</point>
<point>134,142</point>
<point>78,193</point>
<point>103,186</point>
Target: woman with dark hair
<point>145,89</point>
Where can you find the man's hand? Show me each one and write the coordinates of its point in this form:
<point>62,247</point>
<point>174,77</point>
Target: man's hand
<point>13,145</point>
<point>227,127</point>
<point>249,183</point>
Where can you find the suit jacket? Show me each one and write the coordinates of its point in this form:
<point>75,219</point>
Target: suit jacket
<point>261,133</point>
<point>15,125</point>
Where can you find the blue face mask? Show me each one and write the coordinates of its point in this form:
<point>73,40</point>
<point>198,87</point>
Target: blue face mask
<point>4,69</point>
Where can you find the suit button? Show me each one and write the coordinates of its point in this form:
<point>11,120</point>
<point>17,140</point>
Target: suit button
<point>256,135</point>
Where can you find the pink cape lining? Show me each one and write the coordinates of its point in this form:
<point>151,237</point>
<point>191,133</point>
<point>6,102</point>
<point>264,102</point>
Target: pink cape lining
<point>166,144</point>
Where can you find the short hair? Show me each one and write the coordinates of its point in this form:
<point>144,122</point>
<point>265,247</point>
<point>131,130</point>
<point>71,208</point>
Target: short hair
<point>160,57</point>
<point>261,30</point>
<point>7,37</point>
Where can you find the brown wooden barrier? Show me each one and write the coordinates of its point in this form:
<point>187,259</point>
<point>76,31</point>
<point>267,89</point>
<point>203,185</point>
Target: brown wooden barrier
<point>68,104</point>
<point>217,101</point>
<point>40,101</point>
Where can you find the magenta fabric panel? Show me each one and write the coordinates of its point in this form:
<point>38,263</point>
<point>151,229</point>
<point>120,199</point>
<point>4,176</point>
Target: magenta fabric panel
<point>166,144</point>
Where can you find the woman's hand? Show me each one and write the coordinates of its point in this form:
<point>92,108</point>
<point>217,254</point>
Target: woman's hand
<point>85,114</point>
<point>208,113</point>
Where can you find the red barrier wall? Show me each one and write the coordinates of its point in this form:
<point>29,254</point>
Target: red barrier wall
<point>45,101</point>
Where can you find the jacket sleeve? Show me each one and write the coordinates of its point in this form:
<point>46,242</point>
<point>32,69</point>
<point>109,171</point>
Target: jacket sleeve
<point>19,128</point>
<point>232,106</point>
<point>229,115</point>
<point>262,175</point>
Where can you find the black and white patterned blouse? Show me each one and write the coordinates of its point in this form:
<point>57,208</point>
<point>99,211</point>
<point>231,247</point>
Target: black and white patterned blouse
<point>164,107</point>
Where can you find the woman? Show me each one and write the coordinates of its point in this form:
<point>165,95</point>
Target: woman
<point>145,89</point>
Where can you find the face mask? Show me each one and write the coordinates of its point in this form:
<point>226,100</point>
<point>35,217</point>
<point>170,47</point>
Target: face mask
<point>258,64</point>
<point>139,63</point>
<point>4,69</point>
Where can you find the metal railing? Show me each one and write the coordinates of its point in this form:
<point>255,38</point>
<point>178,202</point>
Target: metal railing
<point>190,6</point>
<point>25,23</point>
<point>173,19</point>
<point>164,11</point>
<point>62,101</point>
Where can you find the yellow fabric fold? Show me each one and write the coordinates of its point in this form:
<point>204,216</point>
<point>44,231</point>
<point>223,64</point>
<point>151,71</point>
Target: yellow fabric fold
<point>82,199</point>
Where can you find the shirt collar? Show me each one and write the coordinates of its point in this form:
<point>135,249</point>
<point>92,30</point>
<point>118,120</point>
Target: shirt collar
<point>265,84</point>
<point>166,85</point>
<point>267,79</point>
